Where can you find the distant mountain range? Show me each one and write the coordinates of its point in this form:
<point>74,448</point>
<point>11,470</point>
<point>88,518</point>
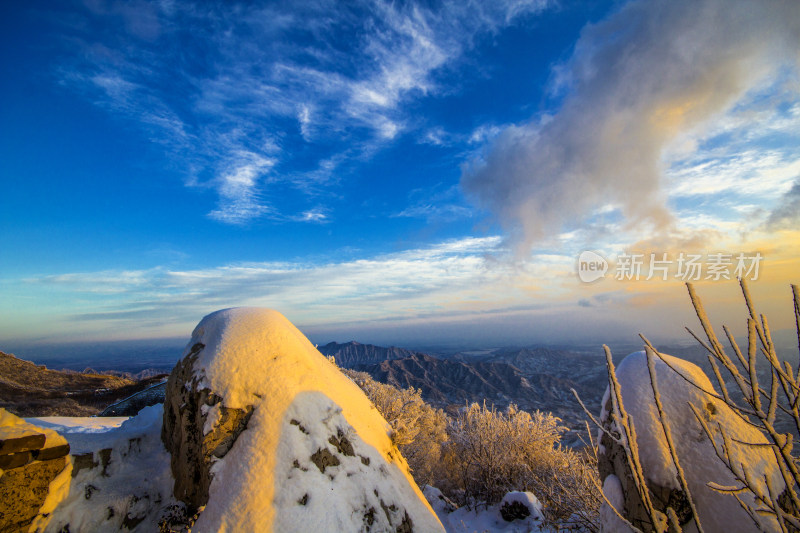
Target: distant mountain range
<point>531,378</point>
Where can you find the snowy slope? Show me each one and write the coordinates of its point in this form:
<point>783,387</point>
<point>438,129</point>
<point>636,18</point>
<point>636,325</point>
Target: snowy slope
<point>303,406</point>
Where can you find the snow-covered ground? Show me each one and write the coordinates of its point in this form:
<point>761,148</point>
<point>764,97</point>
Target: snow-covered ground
<point>127,487</point>
<point>487,519</point>
<point>84,434</point>
<point>136,486</point>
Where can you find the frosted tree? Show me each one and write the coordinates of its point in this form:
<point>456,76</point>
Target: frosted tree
<point>493,452</point>
<point>418,429</point>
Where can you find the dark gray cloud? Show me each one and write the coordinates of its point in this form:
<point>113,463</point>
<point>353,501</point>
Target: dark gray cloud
<point>787,214</point>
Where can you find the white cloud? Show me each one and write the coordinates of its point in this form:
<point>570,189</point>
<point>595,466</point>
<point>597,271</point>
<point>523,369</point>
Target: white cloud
<point>636,82</point>
<point>752,173</point>
<point>401,284</point>
<point>304,118</point>
<point>318,214</point>
<point>435,203</point>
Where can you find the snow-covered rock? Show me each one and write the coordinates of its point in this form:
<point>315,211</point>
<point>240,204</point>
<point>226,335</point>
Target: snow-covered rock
<point>717,512</point>
<point>520,506</point>
<point>440,503</point>
<point>280,439</point>
<point>517,512</point>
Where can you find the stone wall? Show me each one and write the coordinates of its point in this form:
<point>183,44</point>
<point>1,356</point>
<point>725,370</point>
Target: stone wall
<point>31,458</point>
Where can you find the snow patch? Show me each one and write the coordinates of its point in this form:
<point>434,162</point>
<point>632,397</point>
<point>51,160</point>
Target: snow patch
<point>213,416</point>
<point>489,519</point>
<point>612,489</point>
<point>526,499</point>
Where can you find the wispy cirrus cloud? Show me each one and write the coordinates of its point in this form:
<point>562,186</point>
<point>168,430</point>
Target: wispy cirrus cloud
<point>436,203</point>
<point>227,88</point>
<point>449,277</point>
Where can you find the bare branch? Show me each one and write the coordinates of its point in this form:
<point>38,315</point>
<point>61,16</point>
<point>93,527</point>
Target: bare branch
<point>668,436</point>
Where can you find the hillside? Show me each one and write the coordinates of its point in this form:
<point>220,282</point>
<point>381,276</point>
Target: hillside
<point>27,389</point>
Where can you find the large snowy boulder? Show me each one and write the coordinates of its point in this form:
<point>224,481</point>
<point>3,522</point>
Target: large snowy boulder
<point>267,435</point>
<point>680,384</point>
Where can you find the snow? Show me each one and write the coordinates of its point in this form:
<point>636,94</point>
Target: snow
<point>83,432</point>
<point>77,424</point>
<point>213,416</point>
<point>257,357</point>
<point>612,488</point>
<point>134,487</point>
<point>440,503</point>
<point>528,500</point>
<point>718,512</point>
<point>12,426</point>
<point>488,519</point>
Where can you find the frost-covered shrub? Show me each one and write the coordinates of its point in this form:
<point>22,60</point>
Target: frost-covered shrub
<point>491,453</point>
<point>418,430</point>
<point>566,481</point>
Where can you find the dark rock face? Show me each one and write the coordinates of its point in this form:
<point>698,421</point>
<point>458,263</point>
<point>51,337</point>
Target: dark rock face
<point>192,450</point>
<point>511,511</point>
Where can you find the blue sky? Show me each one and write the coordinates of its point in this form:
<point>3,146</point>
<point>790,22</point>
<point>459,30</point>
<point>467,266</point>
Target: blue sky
<point>389,171</point>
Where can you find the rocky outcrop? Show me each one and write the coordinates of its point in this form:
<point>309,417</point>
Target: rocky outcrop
<point>265,434</point>
<point>34,473</point>
<point>197,430</point>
